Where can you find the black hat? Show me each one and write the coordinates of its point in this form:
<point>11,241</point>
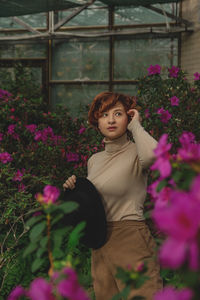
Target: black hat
<point>90,209</point>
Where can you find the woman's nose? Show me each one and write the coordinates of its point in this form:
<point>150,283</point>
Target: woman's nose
<point>111,119</point>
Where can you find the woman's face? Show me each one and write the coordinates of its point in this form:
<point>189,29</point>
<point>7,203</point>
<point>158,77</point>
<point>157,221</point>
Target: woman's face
<point>113,123</point>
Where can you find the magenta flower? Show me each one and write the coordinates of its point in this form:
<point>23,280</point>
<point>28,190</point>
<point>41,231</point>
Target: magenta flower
<point>174,101</point>
<point>16,293</point>
<point>190,150</point>
<point>170,293</point>
<point>72,156</point>
<point>196,76</point>
<point>4,93</point>
<point>11,129</point>
<point>50,195</point>
<point>180,220</point>
<point>81,130</point>
<point>5,157</point>
<point>152,70</point>
<point>186,138</point>
<point>41,289</point>
<point>21,187</point>
<point>70,287</point>
<point>165,115</point>
<point>31,128</point>
<point>18,175</point>
<point>162,162</point>
<point>173,72</point>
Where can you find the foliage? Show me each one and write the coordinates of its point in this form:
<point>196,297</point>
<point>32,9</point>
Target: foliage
<point>36,148</point>
<point>169,105</point>
<point>39,148</point>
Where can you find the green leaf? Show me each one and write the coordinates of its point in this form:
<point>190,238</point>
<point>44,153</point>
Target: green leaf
<point>33,220</point>
<point>57,253</point>
<point>68,207</point>
<point>75,235</point>
<point>31,247</point>
<point>37,264</point>
<point>161,185</point>
<point>43,242</point>
<point>40,252</point>
<point>37,230</point>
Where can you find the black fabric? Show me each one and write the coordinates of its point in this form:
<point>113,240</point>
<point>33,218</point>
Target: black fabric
<point>90,210</point>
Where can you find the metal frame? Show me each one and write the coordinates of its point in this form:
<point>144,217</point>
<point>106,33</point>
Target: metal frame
<point>59,30</point>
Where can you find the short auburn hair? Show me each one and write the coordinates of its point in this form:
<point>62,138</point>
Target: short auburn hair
<point>106,100</point>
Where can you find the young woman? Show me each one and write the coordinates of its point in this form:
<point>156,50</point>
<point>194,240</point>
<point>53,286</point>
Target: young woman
<point>119,173</point>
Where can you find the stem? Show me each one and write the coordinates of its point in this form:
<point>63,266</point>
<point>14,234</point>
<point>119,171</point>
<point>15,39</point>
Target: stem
<point>49,244</point>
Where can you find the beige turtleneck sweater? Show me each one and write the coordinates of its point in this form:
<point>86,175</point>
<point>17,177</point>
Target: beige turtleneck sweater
<point>119,173</point>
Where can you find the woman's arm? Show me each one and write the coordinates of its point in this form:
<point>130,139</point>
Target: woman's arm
<point>145,143</point>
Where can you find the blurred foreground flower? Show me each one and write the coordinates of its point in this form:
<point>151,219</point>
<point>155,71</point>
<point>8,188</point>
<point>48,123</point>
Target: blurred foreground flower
<point>50,195</point>
<point>62,285</point>
<point>170,293</point>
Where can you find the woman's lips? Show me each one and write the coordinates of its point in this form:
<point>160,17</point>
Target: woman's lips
<point>111,128</point>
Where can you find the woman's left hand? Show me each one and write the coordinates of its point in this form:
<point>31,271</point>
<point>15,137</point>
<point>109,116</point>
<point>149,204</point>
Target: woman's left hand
<point>134,114</point>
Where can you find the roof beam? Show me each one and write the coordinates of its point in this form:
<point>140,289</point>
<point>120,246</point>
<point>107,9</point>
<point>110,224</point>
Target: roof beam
<point>25,25</point>
<point>74,14</point>
<point>165,13</point>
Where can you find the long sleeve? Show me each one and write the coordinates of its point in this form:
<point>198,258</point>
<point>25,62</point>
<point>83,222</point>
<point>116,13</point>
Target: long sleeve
<point>145,143</point>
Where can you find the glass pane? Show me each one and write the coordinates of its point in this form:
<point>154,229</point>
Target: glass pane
<point>81,60</point>
<point>141,15</point>
<point>75,97</point>
<point>23,50</point>
<point>129,89</point>
<point>133,57</point>
<point>34,20</point>
<point>88,17</point>
<point>24,80</point>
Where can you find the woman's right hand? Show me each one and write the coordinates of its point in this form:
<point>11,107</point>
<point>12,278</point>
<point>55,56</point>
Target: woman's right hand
<point>70,183</point>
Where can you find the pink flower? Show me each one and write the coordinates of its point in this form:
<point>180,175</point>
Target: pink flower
<point>18,175</point>
<point>50,195</point>
<point>173,72</point>
<point>81,130</point>
<point>180,220</point>
<point>174,101</point>
<point>165,115</point>
<point>31,127</point>
<point>5,157</point>
<point>11,129</point>
<point>190,150</point>
<point>70,287</point>
<point>72,156</point>
<point>41,289</point>
<point>152,70</point>
<point>21,187</point>
<point>170,293</point>
<point>12,109</point>
<point>162,162</point>
<point>196,76</point>
<point>4,93</point>
<point>16,293</point>
<point>186,138</point>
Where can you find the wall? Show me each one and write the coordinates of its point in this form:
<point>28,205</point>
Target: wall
<point>190,42</point>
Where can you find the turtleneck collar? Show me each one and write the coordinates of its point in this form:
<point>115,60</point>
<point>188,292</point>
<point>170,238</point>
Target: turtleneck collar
<point>115,145</point>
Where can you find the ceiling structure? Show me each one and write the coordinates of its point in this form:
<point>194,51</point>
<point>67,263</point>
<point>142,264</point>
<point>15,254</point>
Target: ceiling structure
<point>16,8</point>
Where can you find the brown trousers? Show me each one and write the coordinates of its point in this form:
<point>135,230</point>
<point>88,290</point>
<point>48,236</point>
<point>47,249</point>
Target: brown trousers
<point>128,243</point>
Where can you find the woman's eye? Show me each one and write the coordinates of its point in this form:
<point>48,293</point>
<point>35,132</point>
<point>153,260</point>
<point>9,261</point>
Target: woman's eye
<point>118,113</point>
<point>104,115</point>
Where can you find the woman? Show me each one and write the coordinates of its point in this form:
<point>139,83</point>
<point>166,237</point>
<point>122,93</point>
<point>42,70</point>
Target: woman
<point>119,173</point>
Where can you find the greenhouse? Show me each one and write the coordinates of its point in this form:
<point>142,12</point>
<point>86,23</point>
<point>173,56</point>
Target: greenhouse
<point>81,82</point>
<point>74,49</point>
